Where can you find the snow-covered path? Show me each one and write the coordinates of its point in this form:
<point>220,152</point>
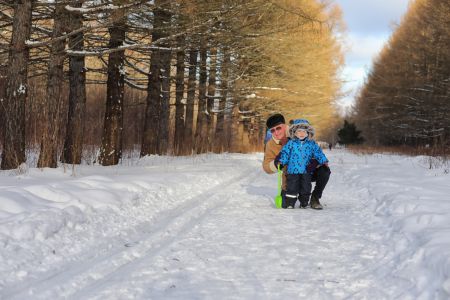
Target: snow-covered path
<point>206,228</point>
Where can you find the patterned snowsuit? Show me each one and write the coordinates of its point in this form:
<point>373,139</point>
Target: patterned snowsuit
<point>297,154</point>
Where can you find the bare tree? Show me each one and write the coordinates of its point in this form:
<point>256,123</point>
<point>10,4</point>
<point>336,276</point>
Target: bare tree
<point>55,82</point>
<point>154,141</point>
<point>73,143</point>
<point>191,88</point>
<point>164,112</point>
<point>179,95</point>
<point>210,98</point>
<point>111,150</point>
<point>201,128</point>
<point>236,63</point>
<point>16,87</point>
<point>219,138</point>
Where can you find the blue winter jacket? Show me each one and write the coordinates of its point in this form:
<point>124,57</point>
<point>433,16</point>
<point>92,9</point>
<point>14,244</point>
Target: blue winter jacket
<point>296,154</point>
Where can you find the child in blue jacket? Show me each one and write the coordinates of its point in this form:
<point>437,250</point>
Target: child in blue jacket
<point>297,154</point>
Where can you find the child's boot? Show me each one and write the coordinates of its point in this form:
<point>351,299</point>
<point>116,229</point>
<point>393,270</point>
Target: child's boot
<point>304,199</point>
<point>290,201</point>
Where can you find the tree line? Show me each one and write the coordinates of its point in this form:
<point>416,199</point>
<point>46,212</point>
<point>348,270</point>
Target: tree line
<point>405,99</point>
<point>175,77</point>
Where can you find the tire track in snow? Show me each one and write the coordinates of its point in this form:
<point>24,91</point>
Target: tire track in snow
<point>90,274</point>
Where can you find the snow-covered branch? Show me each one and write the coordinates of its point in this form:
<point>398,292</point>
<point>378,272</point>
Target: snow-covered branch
<point>101,8</point>
<point>269,89</point>
<point>104,51</point>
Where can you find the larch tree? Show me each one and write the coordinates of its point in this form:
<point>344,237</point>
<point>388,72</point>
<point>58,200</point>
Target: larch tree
<point>73,141</point>
<point>48,155</point>
<point>111,150</point>
<point>155,138</point>
<point>405,98</point>
<point>13,153</point>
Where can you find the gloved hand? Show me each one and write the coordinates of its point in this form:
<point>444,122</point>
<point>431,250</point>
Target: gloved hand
<point>277,161</point>
<point>311,167</point>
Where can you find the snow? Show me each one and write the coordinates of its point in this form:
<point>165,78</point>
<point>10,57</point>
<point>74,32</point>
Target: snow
<point>122,70</point>
<point>206,227</point>
<point>22,89</point>
<point>93,9</point>
<point>32,43</point>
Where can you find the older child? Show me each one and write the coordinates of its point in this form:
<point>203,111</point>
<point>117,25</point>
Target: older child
<point>296,154</point>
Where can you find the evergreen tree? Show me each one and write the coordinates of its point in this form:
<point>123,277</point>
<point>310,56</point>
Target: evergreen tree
<point>349,134</point>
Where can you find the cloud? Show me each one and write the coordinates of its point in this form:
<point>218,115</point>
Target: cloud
<point>369,24</point>
<point>372,16</point>
<point>362,49</point>
<point>353,75</point>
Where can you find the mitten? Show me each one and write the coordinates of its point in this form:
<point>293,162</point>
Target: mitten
<point>312,165</point>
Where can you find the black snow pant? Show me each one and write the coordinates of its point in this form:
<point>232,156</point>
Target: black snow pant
<point>320,176</point>
<point>298,185</point>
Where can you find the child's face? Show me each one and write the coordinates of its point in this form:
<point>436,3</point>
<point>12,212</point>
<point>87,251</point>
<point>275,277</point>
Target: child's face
<point>301,134</point>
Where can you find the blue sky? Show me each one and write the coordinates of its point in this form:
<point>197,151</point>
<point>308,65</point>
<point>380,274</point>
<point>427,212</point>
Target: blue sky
<point>369,25</point>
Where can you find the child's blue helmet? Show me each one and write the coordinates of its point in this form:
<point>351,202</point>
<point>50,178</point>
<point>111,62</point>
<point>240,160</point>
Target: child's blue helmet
<point>299,121</point>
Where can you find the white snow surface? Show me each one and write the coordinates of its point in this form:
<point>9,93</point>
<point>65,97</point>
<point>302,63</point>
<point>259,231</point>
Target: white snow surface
<point>205,227</point>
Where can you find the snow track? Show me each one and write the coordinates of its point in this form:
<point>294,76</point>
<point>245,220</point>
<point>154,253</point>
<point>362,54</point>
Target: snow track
<point>78,279</point>
<point>167,230</point>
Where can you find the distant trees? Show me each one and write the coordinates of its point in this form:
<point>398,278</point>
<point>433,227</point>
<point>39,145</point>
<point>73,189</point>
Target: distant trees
<point>406,100</point>
<point>348,134</point>
<point>174,77</point>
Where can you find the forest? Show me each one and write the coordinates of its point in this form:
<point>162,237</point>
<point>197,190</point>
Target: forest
<point>166,77</point>
<point>405,100</point>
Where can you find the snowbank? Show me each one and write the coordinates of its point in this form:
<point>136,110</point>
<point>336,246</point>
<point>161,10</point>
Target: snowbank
<point>414,201</point>
<point>55,224</point>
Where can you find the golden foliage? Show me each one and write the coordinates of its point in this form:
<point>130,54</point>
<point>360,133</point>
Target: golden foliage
<point>405,99</point>
<point>301,61</point>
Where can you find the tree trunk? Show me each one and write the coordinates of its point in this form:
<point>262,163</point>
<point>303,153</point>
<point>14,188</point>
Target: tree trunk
<point>231,120</point>
<point>189,122</point>
<point>238,140</point>
<point>150,135</point>
<point>201,129</point>
<point>234,127</point>
<point>219,139</point>
<point>111,150</point>
<point>13,153</point>
<point>2,96</point>
<point>211,98</point>
<point>55,82</point>
<point>156,99</point>
<point>165,101</point>
<point>73,143</point>
<point>179,107</point>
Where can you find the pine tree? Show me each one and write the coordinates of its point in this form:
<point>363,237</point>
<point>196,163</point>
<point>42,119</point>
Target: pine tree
<point>348,134</point>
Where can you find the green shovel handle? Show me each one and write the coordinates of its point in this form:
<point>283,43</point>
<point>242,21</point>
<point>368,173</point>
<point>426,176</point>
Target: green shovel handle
<point>278,198</point>
<point>279,179</point>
